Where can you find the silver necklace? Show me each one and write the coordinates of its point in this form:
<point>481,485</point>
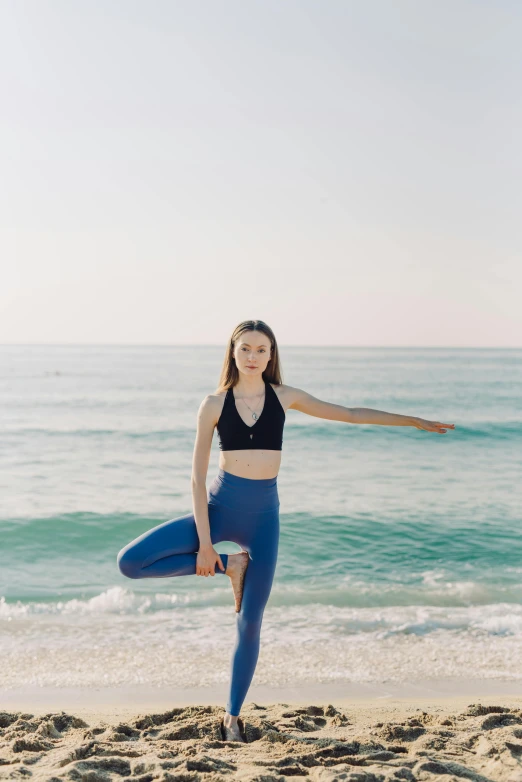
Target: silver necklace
<point>255,416</point>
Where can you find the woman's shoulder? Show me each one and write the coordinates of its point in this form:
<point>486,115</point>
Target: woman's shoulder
<point>287,394</point>
<point>284,393</point>
<point>214,402</point>
<point>215,398</point>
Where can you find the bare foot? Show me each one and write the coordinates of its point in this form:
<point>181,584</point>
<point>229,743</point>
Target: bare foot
<point>231,727</point>
<point>236,569</point>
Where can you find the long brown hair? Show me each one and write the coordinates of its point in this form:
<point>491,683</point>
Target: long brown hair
<point>229,371</point>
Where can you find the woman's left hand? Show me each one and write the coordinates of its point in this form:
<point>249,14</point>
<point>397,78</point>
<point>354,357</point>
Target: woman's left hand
<point>432,426</point>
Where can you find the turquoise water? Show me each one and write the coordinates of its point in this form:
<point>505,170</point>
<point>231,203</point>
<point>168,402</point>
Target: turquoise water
<point>401,550</point>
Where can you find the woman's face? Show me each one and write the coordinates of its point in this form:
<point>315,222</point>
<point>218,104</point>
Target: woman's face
<point>252,352</point>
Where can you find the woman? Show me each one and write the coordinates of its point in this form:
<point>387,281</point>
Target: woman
<point>248,410</point>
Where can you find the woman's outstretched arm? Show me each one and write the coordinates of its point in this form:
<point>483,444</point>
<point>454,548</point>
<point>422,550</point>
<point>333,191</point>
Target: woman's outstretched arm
<point>306,403</point>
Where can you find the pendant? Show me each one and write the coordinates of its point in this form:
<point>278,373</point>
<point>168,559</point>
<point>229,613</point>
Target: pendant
<point>254,416</point>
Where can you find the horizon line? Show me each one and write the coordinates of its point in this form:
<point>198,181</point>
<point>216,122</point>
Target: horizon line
<point>286,345</point>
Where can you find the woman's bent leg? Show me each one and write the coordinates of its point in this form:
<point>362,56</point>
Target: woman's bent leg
<point>256,590</point>
<point>170,549</point>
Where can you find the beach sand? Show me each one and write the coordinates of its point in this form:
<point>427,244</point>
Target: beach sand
<point>99,736</point>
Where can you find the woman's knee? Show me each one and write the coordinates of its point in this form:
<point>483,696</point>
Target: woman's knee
<point>249,627</point>
<point>127,563</point>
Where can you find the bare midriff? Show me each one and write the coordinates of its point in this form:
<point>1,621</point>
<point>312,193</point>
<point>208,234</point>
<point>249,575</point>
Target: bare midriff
<point>255,464</point>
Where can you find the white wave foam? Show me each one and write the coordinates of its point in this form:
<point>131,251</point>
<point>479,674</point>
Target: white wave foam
<point>192,648</point>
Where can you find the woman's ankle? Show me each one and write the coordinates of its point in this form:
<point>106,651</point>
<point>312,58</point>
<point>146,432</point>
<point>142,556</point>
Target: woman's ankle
<point>232,561</point>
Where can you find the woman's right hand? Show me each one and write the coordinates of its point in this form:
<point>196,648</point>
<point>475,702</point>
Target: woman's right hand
<point>206,561</point>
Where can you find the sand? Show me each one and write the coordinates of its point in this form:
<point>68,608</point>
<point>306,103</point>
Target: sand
<point>359,739</point>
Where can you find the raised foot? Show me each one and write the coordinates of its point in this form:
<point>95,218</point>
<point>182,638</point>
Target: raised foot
<point>236,568</point>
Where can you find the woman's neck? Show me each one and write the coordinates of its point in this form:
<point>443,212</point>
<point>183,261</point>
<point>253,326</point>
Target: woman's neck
<point>249,387</point>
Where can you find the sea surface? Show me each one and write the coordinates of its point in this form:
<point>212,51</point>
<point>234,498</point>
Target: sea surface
<point>400,555</point>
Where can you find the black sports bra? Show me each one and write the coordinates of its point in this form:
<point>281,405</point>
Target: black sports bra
<point>267,432</point>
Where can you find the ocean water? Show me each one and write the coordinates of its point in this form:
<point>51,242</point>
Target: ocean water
<point>400,555</point>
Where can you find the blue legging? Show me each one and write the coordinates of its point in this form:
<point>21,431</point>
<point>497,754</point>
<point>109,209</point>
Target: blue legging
<point>245,511</point>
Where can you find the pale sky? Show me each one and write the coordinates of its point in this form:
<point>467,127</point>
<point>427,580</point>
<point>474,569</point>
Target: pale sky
<point>349,171</point>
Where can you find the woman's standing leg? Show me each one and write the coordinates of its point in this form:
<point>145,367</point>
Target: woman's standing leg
<point>170,549</point>
<point>262,545</point>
